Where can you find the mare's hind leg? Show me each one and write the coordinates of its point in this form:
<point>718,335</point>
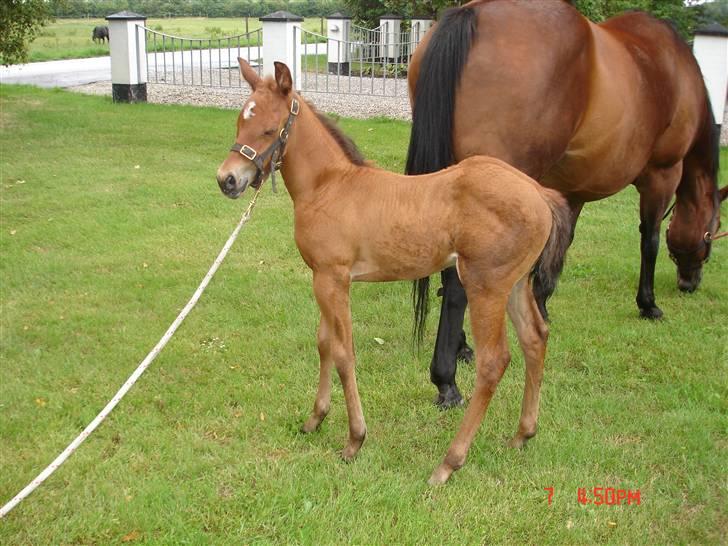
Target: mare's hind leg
<point>487,312</point>
<point>656,188</point>
<point>449,335</point>
<point>532,335</point>
<point>335,338</point>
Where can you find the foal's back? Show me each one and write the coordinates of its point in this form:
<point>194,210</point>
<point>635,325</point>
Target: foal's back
<point>396,227</point>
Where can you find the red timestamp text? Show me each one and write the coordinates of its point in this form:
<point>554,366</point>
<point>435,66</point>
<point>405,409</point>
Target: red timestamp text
<point>609,496</point>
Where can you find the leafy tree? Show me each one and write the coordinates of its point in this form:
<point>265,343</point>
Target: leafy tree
<point>682,16</point>
<point>20,21</point>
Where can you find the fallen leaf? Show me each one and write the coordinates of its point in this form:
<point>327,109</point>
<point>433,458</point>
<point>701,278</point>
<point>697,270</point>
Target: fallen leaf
<point>262,416</point>
<point>145,264</point>
<point>238,414</point>
<point>379,340</point>
<point>612,523</point>
<point>137,166</point>
<point>370,130</point>
<point>40,402</point>
<point>13,231</point>
<point>20,181</point>
<point>569,524</point>
<point>131,537</point>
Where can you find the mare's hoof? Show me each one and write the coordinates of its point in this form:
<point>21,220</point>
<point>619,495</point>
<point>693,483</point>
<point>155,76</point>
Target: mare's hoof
<point>652,313</point>
<point>465,354</point>
<point>450,398</point>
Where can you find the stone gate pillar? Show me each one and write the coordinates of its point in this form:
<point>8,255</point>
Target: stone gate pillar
<point>282,42</point>
<point>127,46</point>
<point>338,26</point>
<point>710,48</point>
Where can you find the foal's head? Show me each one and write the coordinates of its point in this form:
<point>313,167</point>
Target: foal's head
<point>259,130</point>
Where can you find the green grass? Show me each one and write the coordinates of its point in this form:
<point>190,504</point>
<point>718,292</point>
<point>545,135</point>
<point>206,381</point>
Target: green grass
<point>71,38</point>
<point>110,218</point>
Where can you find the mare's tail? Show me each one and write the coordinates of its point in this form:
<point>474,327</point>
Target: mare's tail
<point>547,269</point>
<point>431,144</point>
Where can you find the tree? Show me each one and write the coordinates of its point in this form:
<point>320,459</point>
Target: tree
<point>20,21</point>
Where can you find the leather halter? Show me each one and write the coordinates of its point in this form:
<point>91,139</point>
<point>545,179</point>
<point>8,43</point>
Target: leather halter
<point>275,151</point>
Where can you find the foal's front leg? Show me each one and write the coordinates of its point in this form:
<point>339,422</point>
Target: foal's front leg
<point>336,347</point>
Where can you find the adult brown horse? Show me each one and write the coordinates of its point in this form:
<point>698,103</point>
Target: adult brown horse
<point>354,222</point>
<point>583,108</point>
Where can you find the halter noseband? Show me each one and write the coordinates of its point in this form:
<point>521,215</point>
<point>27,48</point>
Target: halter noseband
<point>274,151</point>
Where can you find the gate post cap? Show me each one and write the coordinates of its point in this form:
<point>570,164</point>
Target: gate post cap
<point>713,29</point>
<point>338,15</point>
<point>281,16</point>
<point>126,16</point>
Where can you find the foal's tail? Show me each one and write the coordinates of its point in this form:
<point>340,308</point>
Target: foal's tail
<point>431,144</point>
<point>545,273</point>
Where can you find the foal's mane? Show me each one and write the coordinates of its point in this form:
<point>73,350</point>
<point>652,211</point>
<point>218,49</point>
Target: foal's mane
<point>345,143</point>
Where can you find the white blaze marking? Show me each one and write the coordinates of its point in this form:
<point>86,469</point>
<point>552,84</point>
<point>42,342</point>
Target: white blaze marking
<point>248,112</point>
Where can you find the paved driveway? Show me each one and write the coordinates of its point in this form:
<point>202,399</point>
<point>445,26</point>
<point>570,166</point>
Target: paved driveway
<point>58,73</point>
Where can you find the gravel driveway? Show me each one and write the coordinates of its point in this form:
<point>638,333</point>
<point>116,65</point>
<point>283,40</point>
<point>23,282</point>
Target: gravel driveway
<point>394,105</point>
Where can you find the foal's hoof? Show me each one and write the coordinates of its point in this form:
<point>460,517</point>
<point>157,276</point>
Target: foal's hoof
<point>465,354</point>
<point>448,397</point>
<point>519,440</point>
<point>351,449</point>
<point>652,313</point>
<point>440,475</point>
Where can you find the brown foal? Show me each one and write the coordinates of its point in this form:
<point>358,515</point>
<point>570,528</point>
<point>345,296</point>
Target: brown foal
<point>355,222</point>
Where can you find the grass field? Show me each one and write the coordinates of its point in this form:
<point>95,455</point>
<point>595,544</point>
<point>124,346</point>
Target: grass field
<point>110,218</point>
<point>71,38</point>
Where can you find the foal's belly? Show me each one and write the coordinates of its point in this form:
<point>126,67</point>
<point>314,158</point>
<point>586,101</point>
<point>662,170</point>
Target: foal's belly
<point>384,267</point>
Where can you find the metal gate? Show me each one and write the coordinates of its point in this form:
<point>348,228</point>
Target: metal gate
<point>210,62</point>
<point>367,62</point>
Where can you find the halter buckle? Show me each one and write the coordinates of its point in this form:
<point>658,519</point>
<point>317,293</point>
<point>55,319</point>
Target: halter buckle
<point>295,107</point>
<point>247,152</point>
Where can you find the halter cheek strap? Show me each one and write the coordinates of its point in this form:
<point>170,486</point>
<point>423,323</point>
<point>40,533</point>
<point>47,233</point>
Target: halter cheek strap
<point>275,151</point>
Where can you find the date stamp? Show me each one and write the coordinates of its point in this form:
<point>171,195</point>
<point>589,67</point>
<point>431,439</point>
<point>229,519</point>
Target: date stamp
<point>602,496</point>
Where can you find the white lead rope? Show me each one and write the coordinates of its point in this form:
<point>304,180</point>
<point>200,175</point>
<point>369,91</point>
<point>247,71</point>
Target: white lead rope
<point>51,468</point>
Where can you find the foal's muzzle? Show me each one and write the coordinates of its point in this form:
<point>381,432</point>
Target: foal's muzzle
<point>234,182</point>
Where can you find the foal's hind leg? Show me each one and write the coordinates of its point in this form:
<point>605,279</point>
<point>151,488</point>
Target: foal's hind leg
<point>532,335</point>
<point>336,346</point>
<point>487,312</point>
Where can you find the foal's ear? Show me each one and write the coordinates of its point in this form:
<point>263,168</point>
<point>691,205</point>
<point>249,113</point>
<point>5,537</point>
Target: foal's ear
<point>283,78</point>
<point>249,74</point>
<point>723,192</point>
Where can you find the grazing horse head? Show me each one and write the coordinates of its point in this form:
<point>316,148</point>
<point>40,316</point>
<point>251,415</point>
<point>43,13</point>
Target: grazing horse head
<point>262,131</point>
<point>691,232</point>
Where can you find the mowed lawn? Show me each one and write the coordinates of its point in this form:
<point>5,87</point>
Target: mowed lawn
<point>111,216</point>
<point>71,38</point>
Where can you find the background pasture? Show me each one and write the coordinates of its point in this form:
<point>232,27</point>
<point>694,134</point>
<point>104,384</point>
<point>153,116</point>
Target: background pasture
<point>71,38</point>
<point>110,217</point>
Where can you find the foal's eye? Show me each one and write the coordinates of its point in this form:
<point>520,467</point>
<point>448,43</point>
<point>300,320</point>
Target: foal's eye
<point>270,132</point>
